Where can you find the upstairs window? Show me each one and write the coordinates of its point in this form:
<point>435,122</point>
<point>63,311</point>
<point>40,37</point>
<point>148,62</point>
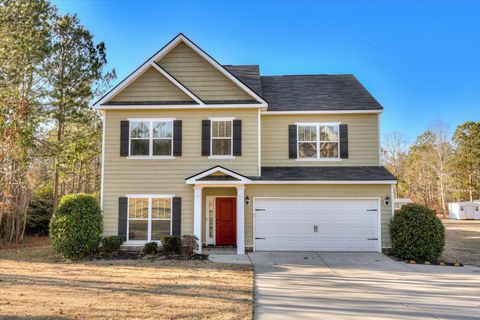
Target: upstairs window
<point>221,138</point>
<point>318,141</point>
<point>151,138</point>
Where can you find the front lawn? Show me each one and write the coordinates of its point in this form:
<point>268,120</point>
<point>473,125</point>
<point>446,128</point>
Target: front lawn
<point>37,283</point>
<point>462,241</point>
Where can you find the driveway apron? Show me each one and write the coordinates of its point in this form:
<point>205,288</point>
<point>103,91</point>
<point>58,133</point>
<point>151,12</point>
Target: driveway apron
<point>346,285</point>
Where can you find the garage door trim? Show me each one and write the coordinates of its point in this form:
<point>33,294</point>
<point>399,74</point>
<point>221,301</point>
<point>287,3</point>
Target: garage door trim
<point>379,212</point>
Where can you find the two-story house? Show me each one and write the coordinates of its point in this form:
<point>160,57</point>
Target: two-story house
<point>191,146</point>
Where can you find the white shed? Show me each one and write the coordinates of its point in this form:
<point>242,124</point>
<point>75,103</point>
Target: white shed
<point>398,203</point>
<point>464,210</point>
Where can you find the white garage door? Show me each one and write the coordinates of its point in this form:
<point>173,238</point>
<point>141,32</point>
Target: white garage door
<point>316,225</point>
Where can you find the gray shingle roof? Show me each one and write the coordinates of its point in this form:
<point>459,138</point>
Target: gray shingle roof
<point>307,92</point>
<point>248,74</point>
<point>370,173</point>
<point>316,92</point>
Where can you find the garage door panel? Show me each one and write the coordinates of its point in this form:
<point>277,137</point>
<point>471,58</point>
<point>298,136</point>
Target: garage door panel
<point>342,225</point>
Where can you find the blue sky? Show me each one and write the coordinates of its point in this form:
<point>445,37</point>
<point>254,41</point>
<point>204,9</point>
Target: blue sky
<point>421,60</point>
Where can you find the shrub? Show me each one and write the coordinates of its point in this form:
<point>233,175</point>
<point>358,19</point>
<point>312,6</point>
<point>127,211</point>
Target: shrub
<point>40,210</point>
<point>417,234</point>
<point>39,214</point>
<point>150,247</point>
<point>189,245</point>
<point>110,244</point>
<point>171,244</point>
<point>76,226</point>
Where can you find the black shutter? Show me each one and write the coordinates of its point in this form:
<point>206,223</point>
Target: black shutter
<point>124,133</point>
<point>343,141</point>
<point>292,141</point>
<point>177,137</point>
<point>177,216</point>
<point>205,137</point>
<point>237,137</point>
<point>122,217</point>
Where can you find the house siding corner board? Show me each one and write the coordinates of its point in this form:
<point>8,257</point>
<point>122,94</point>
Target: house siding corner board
<point>320,191</point>
<point>362,139</point>
<point>167,176</point>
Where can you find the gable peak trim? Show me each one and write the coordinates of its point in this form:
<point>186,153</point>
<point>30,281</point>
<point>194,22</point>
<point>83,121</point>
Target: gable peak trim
<point>162,52</point>
<point>194,179</point>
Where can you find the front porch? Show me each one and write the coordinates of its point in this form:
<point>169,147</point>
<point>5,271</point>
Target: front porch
<point>219,209</point>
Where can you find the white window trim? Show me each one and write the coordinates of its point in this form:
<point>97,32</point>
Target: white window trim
<point>150,155</point>
<point>225,157</point>
<point>318,141</point>
<point>149,218</point>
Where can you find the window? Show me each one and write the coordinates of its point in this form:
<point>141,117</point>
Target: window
<point>221,138</point>
<point>149,218</point>
<point>318,141</point>
<point>151,137</point>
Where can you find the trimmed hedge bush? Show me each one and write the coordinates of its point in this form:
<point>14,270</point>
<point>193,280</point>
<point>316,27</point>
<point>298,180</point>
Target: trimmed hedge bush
<point>110,244</point>
<point>171,244</point>
<point>417,234</point>
<point>76,226</point>
<point>189,245</point>
<point>150,248</point>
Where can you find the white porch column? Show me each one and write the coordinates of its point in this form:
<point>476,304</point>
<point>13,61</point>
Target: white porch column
<point>197,216</point>
<point>240,220</point>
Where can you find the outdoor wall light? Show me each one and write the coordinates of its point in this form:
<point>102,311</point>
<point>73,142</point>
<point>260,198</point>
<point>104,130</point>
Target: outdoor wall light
<point>387,200</point>
<point>247,200</point>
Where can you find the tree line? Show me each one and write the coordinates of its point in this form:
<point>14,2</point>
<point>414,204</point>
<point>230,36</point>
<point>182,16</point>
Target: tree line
<point>51,69</point>
<point>438,167</point>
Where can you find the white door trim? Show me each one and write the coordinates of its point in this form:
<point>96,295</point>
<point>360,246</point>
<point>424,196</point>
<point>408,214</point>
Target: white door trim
<point>379,212</point>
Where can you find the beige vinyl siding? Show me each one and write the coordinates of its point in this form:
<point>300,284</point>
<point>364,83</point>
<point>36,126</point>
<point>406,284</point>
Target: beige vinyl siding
<point>348,191</point>
<point>151,86</point>
<point>363,144</point>
<point>200,76</point>
<point>128,176</point>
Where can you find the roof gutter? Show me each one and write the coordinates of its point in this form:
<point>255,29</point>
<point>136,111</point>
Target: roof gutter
<point>387,182</point>
<point>273,113</point>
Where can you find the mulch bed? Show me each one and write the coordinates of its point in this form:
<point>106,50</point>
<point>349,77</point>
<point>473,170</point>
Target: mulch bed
<point>139,255</point>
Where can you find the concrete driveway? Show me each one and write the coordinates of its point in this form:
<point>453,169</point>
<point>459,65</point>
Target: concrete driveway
<point>334,285</point>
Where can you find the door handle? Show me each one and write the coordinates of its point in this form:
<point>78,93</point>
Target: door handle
<point>315,228</point>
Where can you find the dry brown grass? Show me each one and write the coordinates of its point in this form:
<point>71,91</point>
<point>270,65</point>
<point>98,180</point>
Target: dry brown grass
<point>462,241</point>
<point>27,242</point>
<point>36,283</point>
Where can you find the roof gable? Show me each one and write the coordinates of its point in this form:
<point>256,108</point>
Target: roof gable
<point>156,59</point>
<point>192,70</point>
<point>151,85</point>
<point>217,175</point>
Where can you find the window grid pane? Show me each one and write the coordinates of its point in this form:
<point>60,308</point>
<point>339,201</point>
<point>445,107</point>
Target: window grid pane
<point>326,140</point>
<point>162,129</point>
<point>149,215</point>
<point>140,129</point>
<point>221,129</point>
<point>162,147</point>
<point>222,147</point>
<point>138,208</point>
<point>328,133</point>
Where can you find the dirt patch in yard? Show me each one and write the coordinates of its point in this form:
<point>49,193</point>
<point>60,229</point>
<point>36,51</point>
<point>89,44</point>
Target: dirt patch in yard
<point>462,241</point>
<point>37,283</point>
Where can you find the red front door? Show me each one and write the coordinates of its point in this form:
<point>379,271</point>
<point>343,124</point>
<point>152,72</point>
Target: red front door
<point>226,217</point>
